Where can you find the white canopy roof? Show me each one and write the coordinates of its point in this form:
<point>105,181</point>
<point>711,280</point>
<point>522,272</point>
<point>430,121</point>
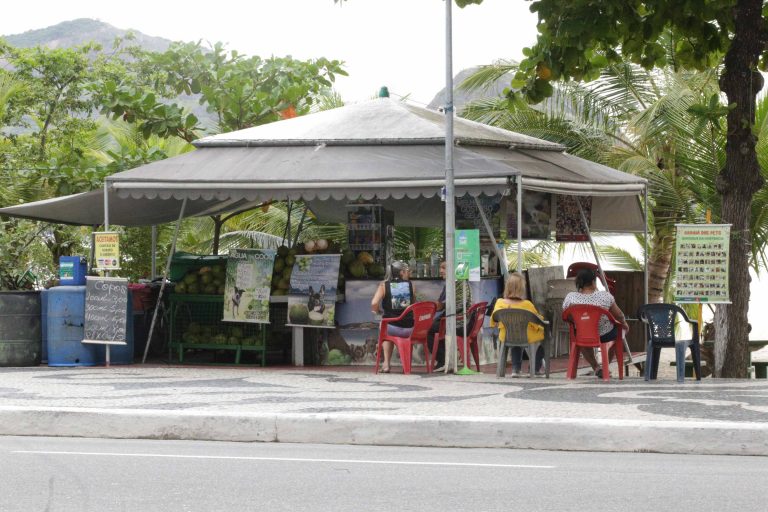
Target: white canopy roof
<point>383,149</point>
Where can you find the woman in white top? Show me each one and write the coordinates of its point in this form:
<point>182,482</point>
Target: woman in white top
<point>586,283</point>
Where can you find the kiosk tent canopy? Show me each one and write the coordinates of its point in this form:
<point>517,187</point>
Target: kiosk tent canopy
<point>383,149</point>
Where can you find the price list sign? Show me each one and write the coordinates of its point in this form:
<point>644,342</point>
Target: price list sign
<point>106,310</point>
<point>702,263</point>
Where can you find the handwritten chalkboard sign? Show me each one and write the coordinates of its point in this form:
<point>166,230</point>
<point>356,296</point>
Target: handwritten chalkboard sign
<point>106,308</point>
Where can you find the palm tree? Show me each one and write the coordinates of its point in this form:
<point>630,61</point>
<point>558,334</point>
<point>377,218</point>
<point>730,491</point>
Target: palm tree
<point>663,125</point>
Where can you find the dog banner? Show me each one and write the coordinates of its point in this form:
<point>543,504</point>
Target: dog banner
<point>312,293</point>
<point>246,293</point>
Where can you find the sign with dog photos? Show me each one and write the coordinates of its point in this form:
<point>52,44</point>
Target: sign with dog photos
<point>247,286</point>
<point>701,259</point>
<point>312,293</point>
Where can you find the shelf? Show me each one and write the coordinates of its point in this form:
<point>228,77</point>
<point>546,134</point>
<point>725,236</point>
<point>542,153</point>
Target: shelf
<point>365,247</point>
<point>364,226</point>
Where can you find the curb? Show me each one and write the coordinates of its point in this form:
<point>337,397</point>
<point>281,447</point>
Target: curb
<point>683,437</point>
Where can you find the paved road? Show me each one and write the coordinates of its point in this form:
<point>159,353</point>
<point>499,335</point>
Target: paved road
<point>61,475</point>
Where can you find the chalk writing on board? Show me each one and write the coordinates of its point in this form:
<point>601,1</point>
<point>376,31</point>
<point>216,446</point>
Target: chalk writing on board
<point>106,306</point>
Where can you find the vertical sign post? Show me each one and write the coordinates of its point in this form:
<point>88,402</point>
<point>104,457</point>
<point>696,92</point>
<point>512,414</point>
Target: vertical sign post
<point>467,248</point>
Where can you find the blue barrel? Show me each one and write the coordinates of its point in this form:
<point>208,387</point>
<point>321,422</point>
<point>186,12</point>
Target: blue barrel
<point>65,319</point>
<point>20,335</point>
<point>44,324</point>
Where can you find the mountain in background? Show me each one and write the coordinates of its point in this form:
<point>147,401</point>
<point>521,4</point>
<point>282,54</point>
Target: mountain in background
<point>80,31</point>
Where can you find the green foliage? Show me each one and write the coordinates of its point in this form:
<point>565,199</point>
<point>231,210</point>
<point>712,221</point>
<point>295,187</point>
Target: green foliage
<point>240,91</point>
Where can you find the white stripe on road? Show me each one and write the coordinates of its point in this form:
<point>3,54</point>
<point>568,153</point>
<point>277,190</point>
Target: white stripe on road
<point>290,459</point>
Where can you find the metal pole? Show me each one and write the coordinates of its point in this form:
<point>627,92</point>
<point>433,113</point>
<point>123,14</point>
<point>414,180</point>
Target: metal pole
<point>519,183</point>
<point>645,242</point>
<point>165,278</point>
<point>450,215</point>
<point>504,270</point>
<point>591,243</point>
<point>106,273</point>
<point>153,271</point>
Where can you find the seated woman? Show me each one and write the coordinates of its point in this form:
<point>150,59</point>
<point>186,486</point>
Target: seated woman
<point>393,296</point>
<point>586,284</point>
<point>514,298</point>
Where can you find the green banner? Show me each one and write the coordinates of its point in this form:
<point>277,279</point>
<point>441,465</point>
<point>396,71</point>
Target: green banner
<point>312,295</point>
<point>246,293</point>
<point>701,263</point>
<point>467,254</point>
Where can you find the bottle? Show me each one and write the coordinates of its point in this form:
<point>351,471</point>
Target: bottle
<point>434,265</point>
<point>412,256</point>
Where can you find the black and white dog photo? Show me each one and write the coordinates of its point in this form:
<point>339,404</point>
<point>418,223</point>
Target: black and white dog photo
<point>316,302</point>
<point>236,296</point>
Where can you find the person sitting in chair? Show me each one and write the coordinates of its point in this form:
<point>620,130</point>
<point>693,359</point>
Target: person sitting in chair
<point>461,303</point>
<point>515,298</point>
<point>393,296</point>
<point>586,284</point>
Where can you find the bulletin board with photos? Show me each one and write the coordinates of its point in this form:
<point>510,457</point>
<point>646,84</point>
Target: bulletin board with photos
<point>701,263</point>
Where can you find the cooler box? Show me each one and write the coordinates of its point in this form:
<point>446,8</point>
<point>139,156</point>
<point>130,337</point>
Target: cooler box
<point>72,270</point>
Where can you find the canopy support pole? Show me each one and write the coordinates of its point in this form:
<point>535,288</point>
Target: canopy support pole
<point>451,358</point>
<point>165,280</point>
<point>106,273</point>
<point>645,245</point>
<point>287,235</point>
<point>488,228</point>
<point>153,271</point>
<point>519,186</point>
<point>591,243</point>
<point>301,225</point>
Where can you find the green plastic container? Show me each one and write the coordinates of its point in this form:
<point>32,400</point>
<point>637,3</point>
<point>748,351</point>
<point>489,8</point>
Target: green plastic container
<point>21,338</point>
<point>183,262</point>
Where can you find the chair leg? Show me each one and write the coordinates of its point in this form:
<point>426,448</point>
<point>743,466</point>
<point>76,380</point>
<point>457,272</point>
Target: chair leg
<point>532,348</point>
<point>648,361</point>
<point>696,356</point>
<point>680,361</point>
<point>378,357</point>
<point>655,366</point>
<point>433,352</point>
<point>547,356</point>
<point>620,359</point>
<point>605,356</point>
<point>573,361</point>
<point>501,365</point>
<point>476,353</point>
<point>405,357</point>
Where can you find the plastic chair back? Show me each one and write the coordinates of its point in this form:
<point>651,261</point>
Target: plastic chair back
<point>423,315</point>
<point>660,319</point>
<point>515,322</point>
<point>584,322</point>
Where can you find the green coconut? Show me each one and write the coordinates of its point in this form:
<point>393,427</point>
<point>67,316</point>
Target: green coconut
<point>298,314</point>
<point>316,318</point>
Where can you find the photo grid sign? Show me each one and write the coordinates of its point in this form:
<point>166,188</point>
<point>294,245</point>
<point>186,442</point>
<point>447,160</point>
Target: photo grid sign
<point>701,263</point>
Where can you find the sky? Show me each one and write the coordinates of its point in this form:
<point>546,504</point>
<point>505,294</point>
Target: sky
<point>397,43</point>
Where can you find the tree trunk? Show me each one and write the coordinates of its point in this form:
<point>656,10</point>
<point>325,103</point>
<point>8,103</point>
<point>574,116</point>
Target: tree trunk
<point>217,224</point>
<point>658,273</point>
<point>738,182</point>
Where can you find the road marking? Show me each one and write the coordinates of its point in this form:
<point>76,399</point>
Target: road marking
<point>290,459</point>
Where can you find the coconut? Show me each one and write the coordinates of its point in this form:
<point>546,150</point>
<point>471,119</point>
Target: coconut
<point>321,244</point>
<point>316,318</point>
<point>309,245</point>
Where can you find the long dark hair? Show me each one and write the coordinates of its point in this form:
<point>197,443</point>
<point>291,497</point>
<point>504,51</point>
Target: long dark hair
<point>586,276</point>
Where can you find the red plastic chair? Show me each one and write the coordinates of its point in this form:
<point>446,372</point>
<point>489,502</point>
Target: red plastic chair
<point>574,268</point>
<point>476,315</point>
<point>583,321</point>
<point>423,314</point>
